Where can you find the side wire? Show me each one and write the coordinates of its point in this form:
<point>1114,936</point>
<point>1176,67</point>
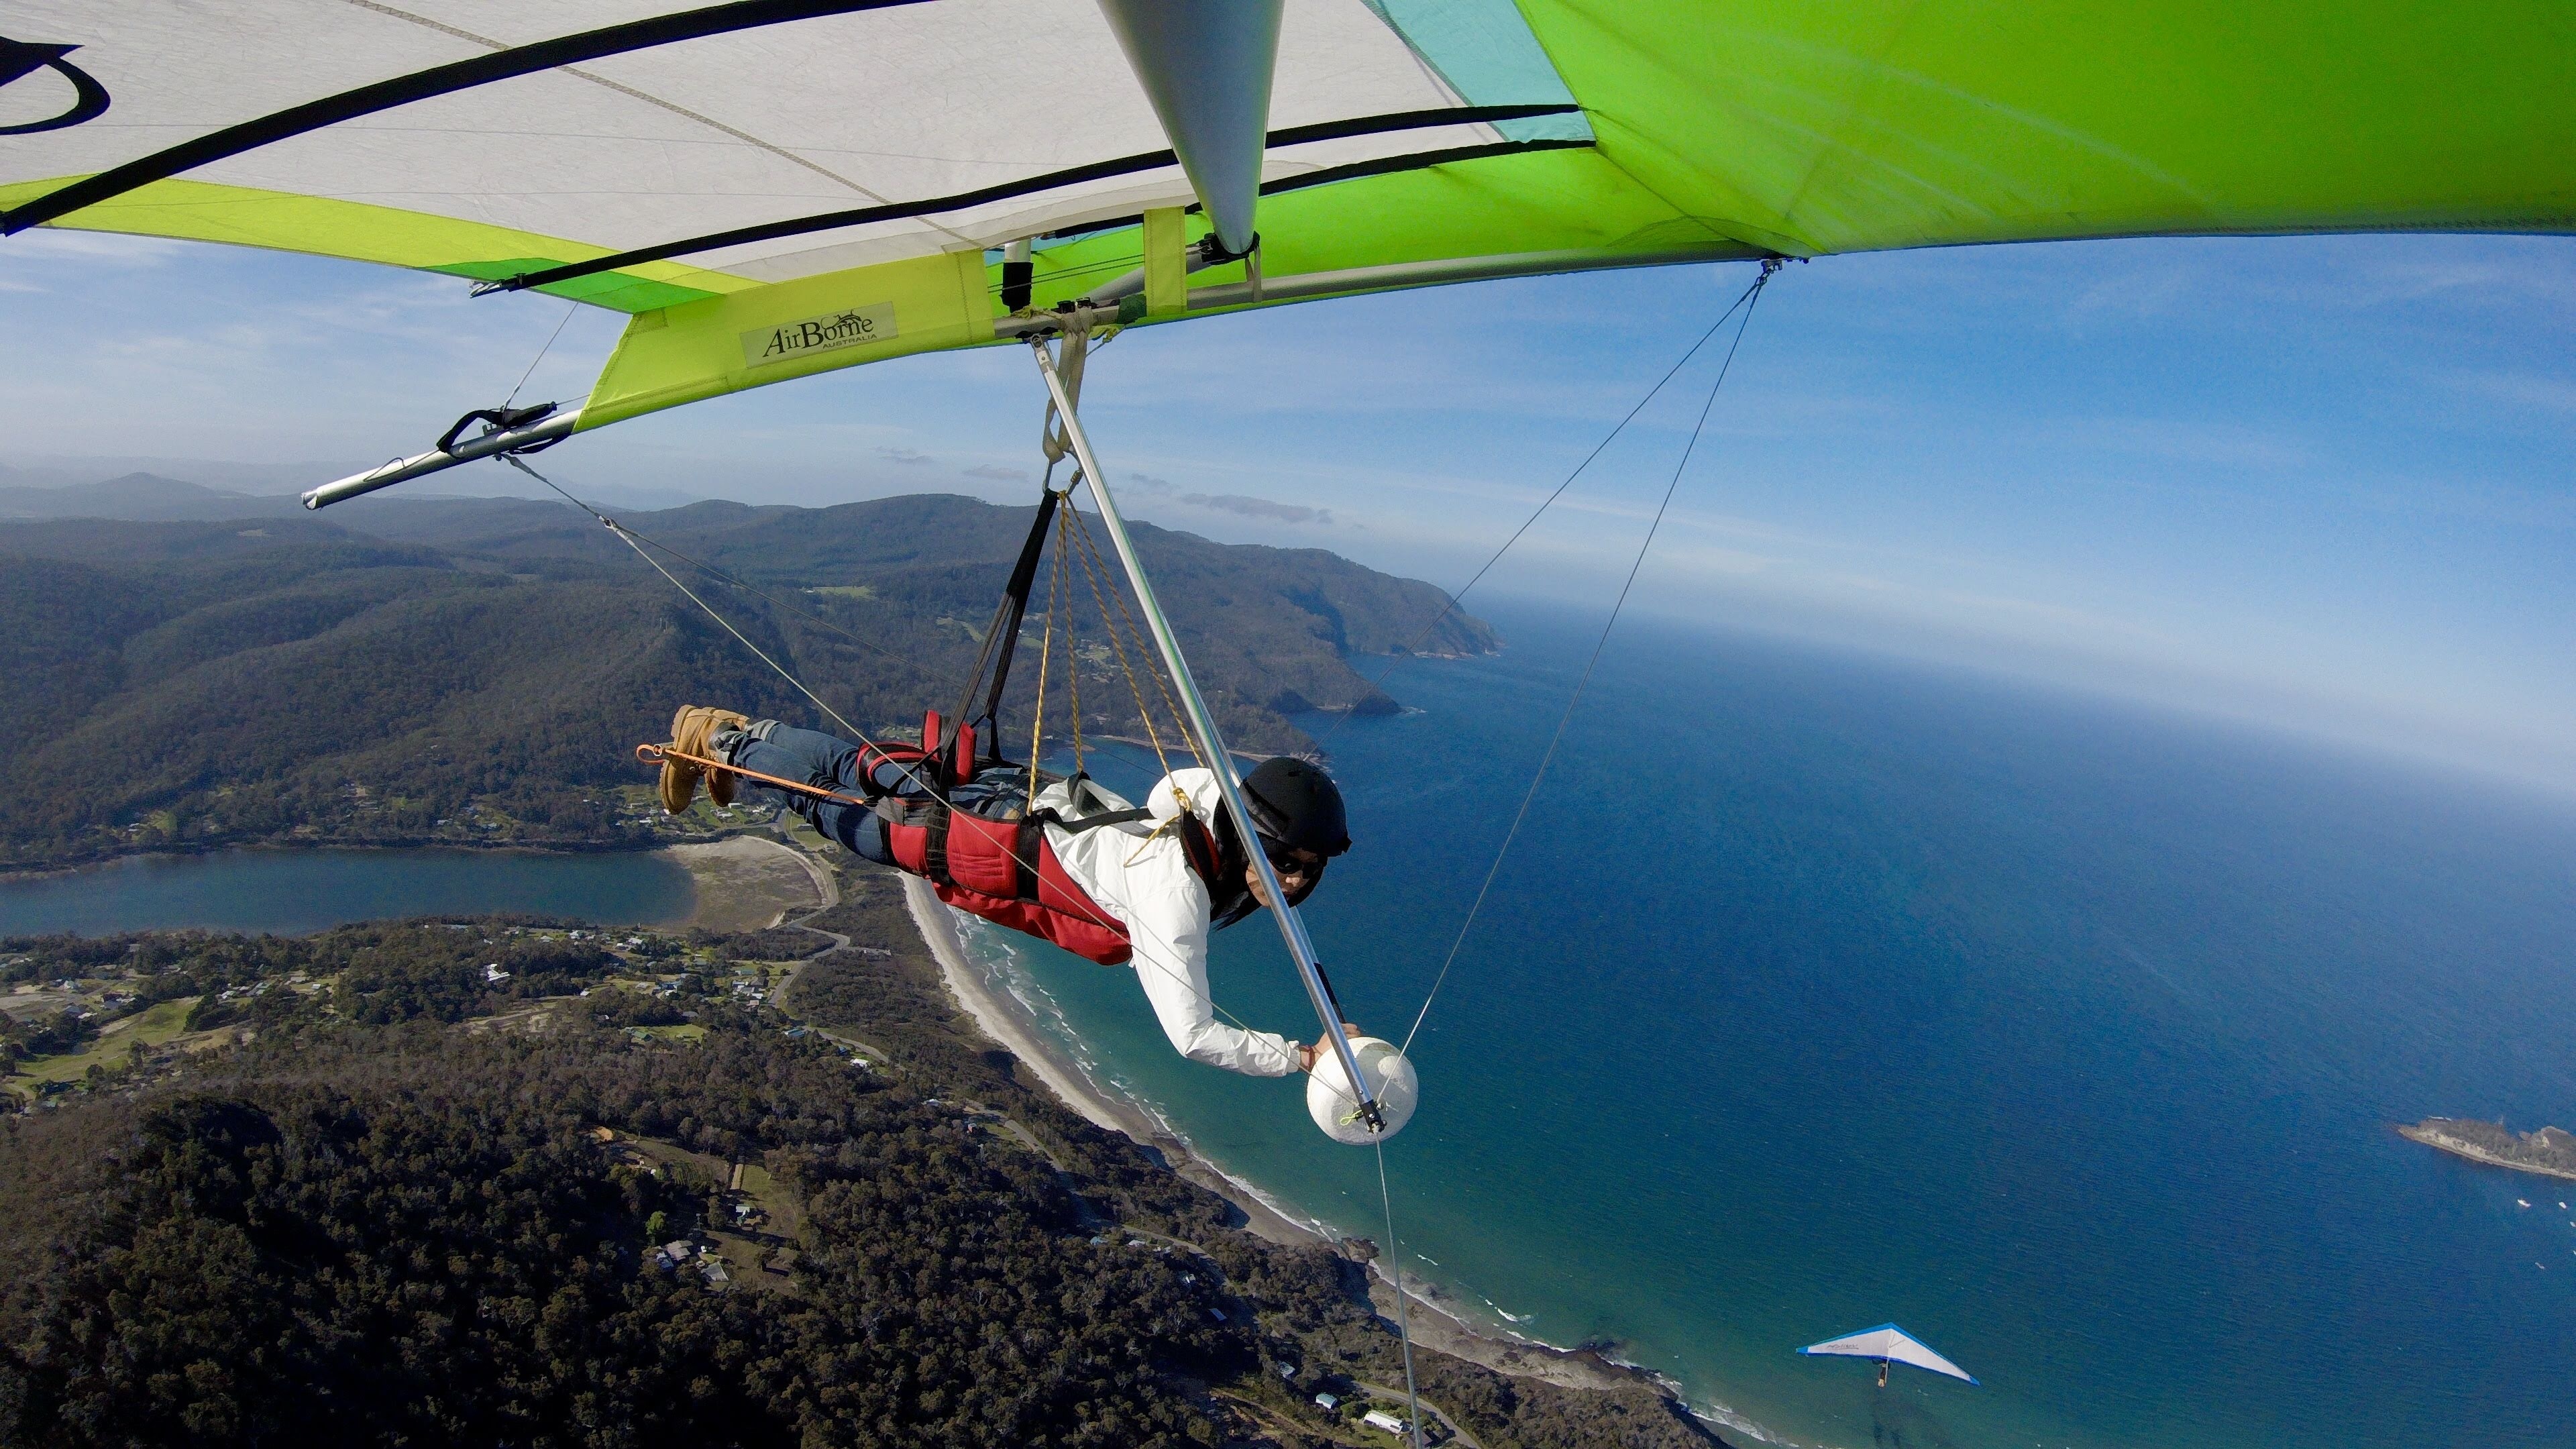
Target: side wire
<point>719,575</point>
<point>1538,777</point>
<point>855,732</point>
<point>630,540</point>
<point>1742,300</point>
<point>1403,1302</point>
<point>541,354</point>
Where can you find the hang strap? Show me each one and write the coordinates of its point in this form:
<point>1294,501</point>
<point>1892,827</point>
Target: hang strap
<point>1002,638</point>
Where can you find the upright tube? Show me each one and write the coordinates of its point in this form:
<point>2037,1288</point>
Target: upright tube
<point>1207,67</point>
<point>1211,745</point>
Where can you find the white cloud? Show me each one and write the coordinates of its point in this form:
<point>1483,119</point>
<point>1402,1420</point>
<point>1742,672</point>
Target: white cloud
<point>1261,508</point>
<point>92,248</point>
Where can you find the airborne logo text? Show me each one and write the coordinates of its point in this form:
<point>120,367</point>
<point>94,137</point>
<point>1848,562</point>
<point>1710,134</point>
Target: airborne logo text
<point>850,328</point>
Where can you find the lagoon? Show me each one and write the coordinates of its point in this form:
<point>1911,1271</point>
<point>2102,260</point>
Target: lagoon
<point>293,891</point>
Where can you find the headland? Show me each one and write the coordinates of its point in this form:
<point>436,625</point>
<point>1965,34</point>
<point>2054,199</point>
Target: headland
<point>2549,1152</point>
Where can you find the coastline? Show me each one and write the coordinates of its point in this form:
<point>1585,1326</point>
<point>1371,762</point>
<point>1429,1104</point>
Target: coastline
<point>1435,1325</point>
<point>171,850</point>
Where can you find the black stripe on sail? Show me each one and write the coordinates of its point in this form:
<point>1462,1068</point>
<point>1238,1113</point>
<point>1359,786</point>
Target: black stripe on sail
<point>481,70</point>
<point>1418,161</point>
<point>1092,171</point>
<point>1412,161</point>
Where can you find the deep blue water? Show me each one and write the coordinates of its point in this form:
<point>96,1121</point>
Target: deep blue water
<point>1822,992</point>
<point>293,891</point>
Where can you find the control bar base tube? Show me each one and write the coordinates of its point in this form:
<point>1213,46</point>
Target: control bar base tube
<point>1211,745</point>
<point>551,429</point>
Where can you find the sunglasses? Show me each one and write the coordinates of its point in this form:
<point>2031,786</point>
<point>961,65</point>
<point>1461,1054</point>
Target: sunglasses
<point>1304,867</point>
<point>1289,860</point>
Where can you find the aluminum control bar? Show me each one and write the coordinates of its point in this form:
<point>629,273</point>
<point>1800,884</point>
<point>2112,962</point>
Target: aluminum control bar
<point>1211,744</point>
<point>551,429</point>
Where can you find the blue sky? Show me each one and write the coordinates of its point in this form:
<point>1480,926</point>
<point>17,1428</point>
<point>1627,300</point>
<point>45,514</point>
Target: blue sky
<point>2329,483</point>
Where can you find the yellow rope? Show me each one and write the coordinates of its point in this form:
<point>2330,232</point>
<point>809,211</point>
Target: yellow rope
<point>1046,650</point>
<point>1073,638</point>
<point>1162,686</point>
<point>1144,712</point>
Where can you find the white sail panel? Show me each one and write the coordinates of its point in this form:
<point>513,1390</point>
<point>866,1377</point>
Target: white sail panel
<point>1887,1341</point>
<point>894,105</point>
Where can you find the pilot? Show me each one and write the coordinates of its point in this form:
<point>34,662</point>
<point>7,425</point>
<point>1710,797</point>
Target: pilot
<point>1078,866</point>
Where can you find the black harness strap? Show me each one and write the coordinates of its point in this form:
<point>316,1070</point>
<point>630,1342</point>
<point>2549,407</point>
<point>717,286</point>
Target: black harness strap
<point>934,846</point>
<point>1197,845</point>
<point>1001,639</point>
<point>1091,822</point>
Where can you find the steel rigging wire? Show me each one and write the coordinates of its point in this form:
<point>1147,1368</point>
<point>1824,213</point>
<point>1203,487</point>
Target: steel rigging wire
<point>1752,295</point>
<point>1386,1194</point>
<point>1743,299</point>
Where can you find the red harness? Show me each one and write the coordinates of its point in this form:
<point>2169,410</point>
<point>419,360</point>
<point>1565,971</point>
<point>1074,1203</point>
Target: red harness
<point>1003,869</point>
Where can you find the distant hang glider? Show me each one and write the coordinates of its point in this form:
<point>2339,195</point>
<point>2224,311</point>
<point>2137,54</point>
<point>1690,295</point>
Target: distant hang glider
<point>1888,1344</point>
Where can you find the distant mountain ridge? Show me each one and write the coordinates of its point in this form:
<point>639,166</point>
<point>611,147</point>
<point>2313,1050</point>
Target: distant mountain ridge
<point>143,498</point>
<point>146,497</point>
<point>436,669</point>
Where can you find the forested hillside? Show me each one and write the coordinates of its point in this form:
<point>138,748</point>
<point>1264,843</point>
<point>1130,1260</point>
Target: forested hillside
<point>480,669</point>
<point>494,1182</point>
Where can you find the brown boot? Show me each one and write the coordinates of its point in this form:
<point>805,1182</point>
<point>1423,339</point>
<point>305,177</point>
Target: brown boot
<point>689,731</point>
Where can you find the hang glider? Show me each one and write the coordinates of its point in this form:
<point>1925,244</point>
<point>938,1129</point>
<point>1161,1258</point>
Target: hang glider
<point>739,173</point>
<point>776,188</point>
<point>1888,1344</point>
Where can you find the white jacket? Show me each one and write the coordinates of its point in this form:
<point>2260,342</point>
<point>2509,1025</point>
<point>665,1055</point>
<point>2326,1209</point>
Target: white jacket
<point>1142,876</point>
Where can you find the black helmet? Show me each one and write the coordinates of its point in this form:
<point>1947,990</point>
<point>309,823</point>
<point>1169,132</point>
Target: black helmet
<point>1295,804</point>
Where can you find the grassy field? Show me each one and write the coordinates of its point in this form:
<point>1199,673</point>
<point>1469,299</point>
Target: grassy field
<point>154,1026</point>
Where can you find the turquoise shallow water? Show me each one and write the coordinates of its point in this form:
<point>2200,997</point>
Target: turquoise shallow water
<point>292,891</point>
<point>1825,992</point>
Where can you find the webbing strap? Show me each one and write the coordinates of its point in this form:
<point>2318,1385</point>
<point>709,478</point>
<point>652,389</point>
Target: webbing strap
<point>1091,822</point>
<point>1198,847</point>
<point>1004,636</point>
<point>934,846</point>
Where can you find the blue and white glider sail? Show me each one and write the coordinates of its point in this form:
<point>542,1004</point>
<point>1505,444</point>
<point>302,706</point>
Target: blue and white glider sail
<point>1889,1344</point>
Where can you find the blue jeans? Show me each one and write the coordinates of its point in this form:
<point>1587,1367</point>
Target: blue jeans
<point>831,763</point>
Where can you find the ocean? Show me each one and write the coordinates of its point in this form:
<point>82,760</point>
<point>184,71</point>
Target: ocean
<point>1824,991</point>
